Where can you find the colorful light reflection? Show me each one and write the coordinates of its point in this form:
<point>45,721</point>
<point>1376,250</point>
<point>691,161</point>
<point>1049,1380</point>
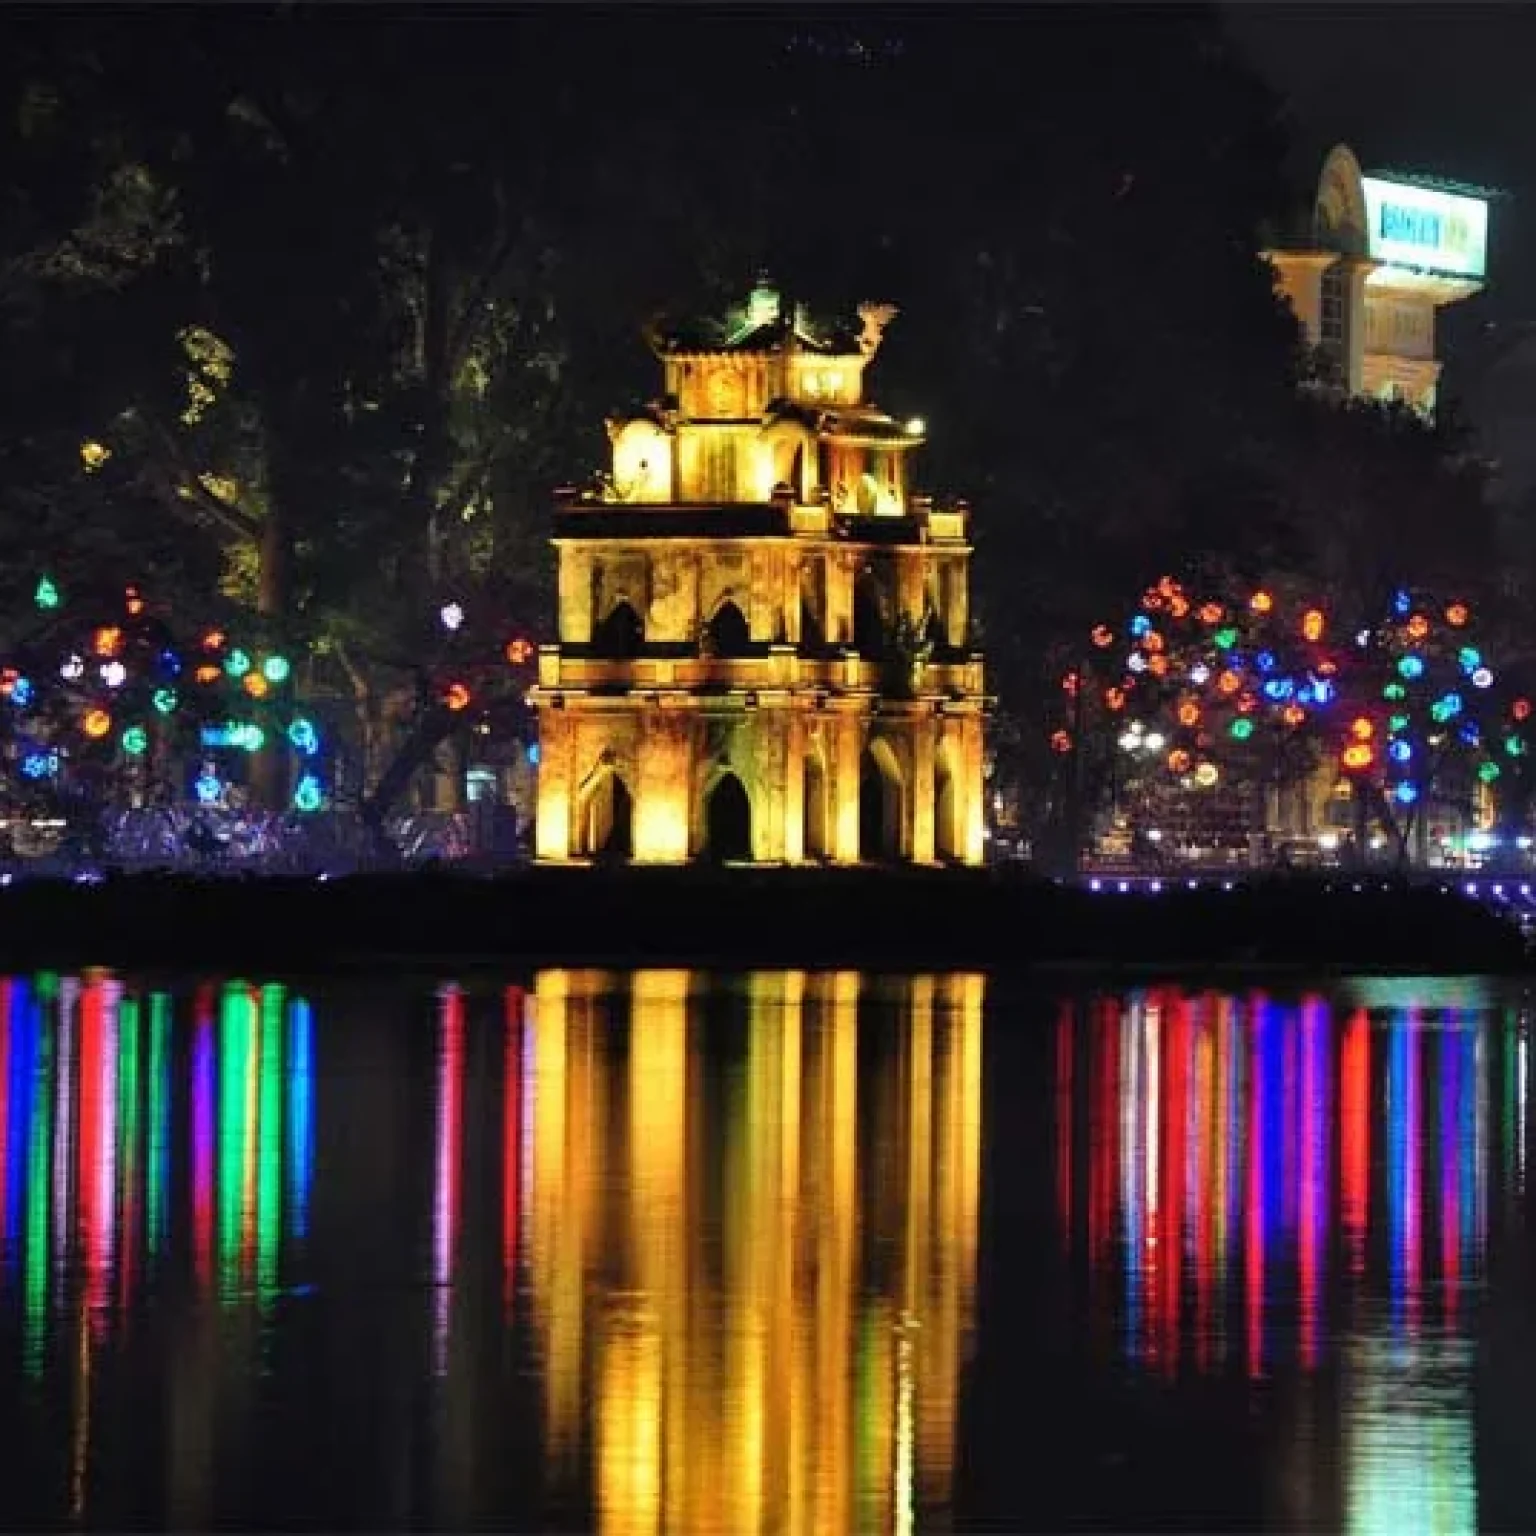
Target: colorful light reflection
<point>90,1072</point>
<point>1357,1145</point>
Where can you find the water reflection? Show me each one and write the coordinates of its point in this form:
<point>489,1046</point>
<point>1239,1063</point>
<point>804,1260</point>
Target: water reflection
<point>1278,1187</point>
<point>751,1283</point>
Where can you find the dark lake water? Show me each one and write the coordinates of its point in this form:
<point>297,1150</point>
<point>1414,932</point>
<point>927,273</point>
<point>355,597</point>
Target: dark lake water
<point>777,1252</point>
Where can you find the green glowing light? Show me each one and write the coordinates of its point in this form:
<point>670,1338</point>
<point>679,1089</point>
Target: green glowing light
<point>1225,638</point>
<point>165,700</point>
<point>269,1155</point>
<point>128,1094</point>
<point>237,663</point>
<point>135,741</point>
<point>1488,772</point>
<point>237,1026</point>
<point>1394,691</point>
<point>1241,729</point>
<point>157,1173</point>
<point>35,1283</point>
<point>276,669</point>
<point>1397,723</point>
<point>47,595</point>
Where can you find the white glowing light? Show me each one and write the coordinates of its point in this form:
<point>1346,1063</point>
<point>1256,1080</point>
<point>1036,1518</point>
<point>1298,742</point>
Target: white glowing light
<point>114,674</point>
<point>72,669</point>
<point>452,615</point>
<point>916,427</point>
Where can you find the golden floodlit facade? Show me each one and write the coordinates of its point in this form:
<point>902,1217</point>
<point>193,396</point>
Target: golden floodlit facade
<point>1385,253</point>
<point>764,632</point>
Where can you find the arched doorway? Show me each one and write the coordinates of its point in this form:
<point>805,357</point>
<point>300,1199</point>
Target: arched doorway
<point>879,805</point>
<point>815,837</point>
<point>621,633</point>
<point>728,821</point>
<point>729,633</point>
<point>606,820</point>
<point>946,825</point>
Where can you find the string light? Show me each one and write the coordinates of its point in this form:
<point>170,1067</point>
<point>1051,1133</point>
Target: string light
<point>135,740</point>
<point>276,669</point>
<point>46,594</point>
<point>96,724</point>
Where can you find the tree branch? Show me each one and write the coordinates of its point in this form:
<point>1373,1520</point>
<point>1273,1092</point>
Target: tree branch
<point>177,475</point>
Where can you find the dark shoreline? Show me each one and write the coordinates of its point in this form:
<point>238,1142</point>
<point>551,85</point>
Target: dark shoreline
<point>737,918</point>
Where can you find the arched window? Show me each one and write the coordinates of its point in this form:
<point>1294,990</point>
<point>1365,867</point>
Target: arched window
<point>729,634</point>
<point>621,633</point>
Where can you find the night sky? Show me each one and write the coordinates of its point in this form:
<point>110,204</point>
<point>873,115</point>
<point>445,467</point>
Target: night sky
<point>1443,89</point>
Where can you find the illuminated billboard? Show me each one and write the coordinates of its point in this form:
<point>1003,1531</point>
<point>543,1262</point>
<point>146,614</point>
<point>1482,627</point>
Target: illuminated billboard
<point>1425,229</point>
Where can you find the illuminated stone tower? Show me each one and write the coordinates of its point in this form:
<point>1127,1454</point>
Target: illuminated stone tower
<point>763,632</point>
<point>1386,252</point>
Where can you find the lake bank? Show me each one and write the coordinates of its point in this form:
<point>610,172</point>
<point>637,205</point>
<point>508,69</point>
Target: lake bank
<point>896,919</point>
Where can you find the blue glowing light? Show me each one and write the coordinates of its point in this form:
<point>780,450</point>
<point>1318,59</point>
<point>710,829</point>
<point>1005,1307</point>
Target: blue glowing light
<point>1401,603</point>
<point>533,753</point>
<point>170,663</point>
<point>1470,658</point>
<point>1278,688</point>
<point>1405,794</point>
<point>1323,691</point>
<point>1411,666</point>
<point>40,765</point>
<point>304,737</point>
<point>21,692</point>
<point>1470,735</point>
<point>208,788</point>
<point>1140,625</point>
<point>307,796</point>
<point>1265,661</point>
<point>1400,751</point>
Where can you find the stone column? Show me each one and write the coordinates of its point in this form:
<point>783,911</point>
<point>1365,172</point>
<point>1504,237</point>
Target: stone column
<point>557,787</point>
<point>970,792</point>
<point>922,797</point>
<point>843,790</point>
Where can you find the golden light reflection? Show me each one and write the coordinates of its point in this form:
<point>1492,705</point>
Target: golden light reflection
<point>775,1342</point>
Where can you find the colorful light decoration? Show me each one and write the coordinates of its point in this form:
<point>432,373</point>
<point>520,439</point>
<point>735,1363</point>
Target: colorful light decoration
<point>208,787</point>
<point>165,701</point>
<point>256,684</point>
<point>451,616</point>
<point>237,663</point>
<point>276,669</point>
<point>72,668</point>
<point>46,595</point>
<point>1242,677</point>
<point>519,651</point>
<point>307,796</point>
<point>456,696</point>
<point>135,741</point>
<point>96,724</point>
<point>114,674</point>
